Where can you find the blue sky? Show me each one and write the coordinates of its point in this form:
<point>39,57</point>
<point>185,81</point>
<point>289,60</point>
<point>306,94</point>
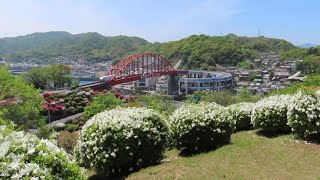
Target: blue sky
<point>165,20</point>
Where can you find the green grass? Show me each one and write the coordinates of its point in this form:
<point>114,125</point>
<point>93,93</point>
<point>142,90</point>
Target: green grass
<point>249,156</point>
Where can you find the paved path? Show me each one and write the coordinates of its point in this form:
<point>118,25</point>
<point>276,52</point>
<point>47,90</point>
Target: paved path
<point>65,120</point>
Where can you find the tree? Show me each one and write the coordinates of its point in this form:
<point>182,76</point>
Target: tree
<point>37,77</point>
<point>311,65</point>
<point>23,101</point>
<point>58,73</point>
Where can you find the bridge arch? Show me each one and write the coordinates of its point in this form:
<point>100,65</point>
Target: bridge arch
<point>139,66</point>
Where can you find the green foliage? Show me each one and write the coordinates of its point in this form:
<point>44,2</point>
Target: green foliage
<point>80,109</point>
<point>252,76</point>
<point>100,103</point>
<point>294,54</point>
<point>309,85</point>
<point>310,65</point>
<point>245,65</point>
<point>226,97</point>
<point>310,57</point>
<point>158,103</point>
<point>45,132</point>
<point>25,108</point>
<point>57,73</point>
<point>72,127</point>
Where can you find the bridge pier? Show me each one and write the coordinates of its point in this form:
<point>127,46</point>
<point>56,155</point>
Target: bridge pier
<point>172,84</point>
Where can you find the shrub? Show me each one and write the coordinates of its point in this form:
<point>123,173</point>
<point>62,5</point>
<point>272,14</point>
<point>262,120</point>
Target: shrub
<point>46,95</point>
<point>270,113</point>
<point>200,127</point>
<point>304,115</point>
<point>122,140</point>
<point>70,111</point>
<point>100,103</point>
<point>60,126</point>
<point>67,140</point>
<point>67,105</point>
<point>241,114</point>
<point>317,94</point>
<point>24,156</point>
<point>73,103</point>
<point>78,99</point>
<point>80,109</point>
<point>72,127</point>
<point>117,94</point>
<point>75,121</point>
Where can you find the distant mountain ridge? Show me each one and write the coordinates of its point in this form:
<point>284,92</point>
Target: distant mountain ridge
<point>87,46</point>
<point>196,51</point>
<point>307,45</point>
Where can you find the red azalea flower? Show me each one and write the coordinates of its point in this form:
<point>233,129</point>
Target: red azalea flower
<point>121,96</point>
<point>117,94</point>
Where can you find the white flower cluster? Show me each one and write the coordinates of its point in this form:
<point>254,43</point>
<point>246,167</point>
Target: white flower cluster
<point>304,115</point>
<point>241,113</point>
<point>25,156</point>
<point>271,113</point>
<point>317,94</point>
<point>200,126</point>
<point>122,140</point>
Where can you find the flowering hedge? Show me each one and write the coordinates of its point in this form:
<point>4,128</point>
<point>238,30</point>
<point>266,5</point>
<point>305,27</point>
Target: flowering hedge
<point>122,140</point>
<point>304,115</point>
<point>24,156</point>
<point>241,114</point>
<point>271,113</point>
<point>200,127</point>
<point>317,94</point>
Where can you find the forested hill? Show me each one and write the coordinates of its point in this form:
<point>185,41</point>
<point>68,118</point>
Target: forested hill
<point>31,41</point>
<point>196,51</point>
<point>203,52</point>
<point>88,46</point>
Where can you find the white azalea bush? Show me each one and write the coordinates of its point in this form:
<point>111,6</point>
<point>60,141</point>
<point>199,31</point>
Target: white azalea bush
<point>241,114</point>
<point>122,140</point>
<point>304,115</point>
<point>271,113</point>
<point>25,156</point>
<point>200,127</point>
<point>317,94</point>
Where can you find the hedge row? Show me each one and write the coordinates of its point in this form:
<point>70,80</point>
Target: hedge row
<point>123,140</point>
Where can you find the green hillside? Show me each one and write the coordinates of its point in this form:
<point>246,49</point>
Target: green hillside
<point>24,43</point>
<point>87,46</point>
<point>196,51</point>
<point>203,52</point>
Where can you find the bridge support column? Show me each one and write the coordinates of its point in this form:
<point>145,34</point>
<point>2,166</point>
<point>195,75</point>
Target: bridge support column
<point>172,84</point>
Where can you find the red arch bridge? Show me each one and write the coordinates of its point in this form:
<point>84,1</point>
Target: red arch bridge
<point>137,67</point>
